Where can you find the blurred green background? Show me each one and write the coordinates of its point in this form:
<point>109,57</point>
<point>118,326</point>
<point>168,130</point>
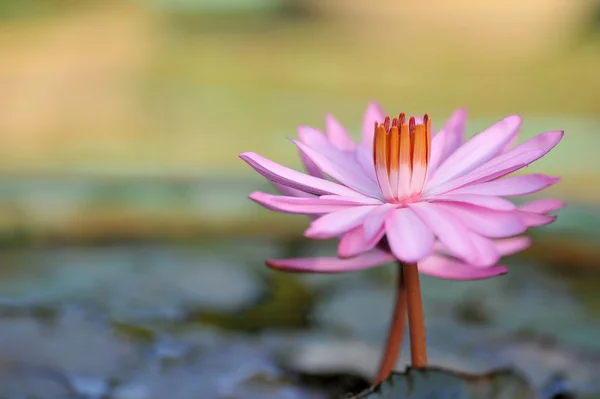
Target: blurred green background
<point>120,126</point>
<point>121,92</point>
<point>125,118</point>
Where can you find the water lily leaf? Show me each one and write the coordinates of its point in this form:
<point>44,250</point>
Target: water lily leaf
<point>425,383</point>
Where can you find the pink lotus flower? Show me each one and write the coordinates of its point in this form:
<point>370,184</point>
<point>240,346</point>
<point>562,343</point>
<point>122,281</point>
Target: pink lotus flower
<point>402,195</point>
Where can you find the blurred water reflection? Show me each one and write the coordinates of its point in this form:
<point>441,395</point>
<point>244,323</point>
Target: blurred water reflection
<point>140,320</point>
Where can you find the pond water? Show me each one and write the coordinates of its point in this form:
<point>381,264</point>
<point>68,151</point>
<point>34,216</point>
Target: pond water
<point>208,320</point>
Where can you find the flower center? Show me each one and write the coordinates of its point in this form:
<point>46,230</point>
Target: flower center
<point>401,153</point>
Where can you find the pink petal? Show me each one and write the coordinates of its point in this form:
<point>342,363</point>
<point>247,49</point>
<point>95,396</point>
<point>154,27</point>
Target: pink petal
<point>353,200</point>
<point>503,246</point>
<point>535,219</point>
<point>409,238</point>
<point>441,267</point>
<point>486,201</point>
<point>311,168</point>
<point>373,114</point>
<point>456,126</point>
<point>355,242</point>
<point>337,223</point>
<point>349,174</point>
<point>438,146</point>
<point>487,222</point>
<point>544,205</point>
<point>314,136</point>
<point>364,157</point>
<point>449,138</point>
<point>478,150</point>
<point>509,246</point>
<point>506,163</point>
<point>509,146</point>
<point>383,182</point>
<point>526,153</point>
<point>303,206</point>
<point>486,253</point>
<point>338,135</point>
<point>375,219</point>
<point>478,176</point>
<point>447,228</point>
<point>508,186</point>
<point>367,260</point>
<point>292,192</point>
<point>292,178</point>
<point>315,139</point>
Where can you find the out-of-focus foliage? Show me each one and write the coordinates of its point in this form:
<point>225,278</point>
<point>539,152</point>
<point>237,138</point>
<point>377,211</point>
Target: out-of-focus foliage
<point>167,89</point>
<point>199,6</point>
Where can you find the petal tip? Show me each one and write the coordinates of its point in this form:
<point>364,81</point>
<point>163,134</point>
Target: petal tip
<point>374,112</point>
<point>256,196</point>
<point>275,265</point>
<point>553,137</point>
<point>513,120</point>
<point>302,134</point>
<point>495,272</point>
<point>526,242</point>
<point>344,253</point>
<point>374,104</point>
<point>307,132</point>
<point>458,118</point>
<point>549,219</point>
<point>499,271</point>
<point>311,232</point>
<point>553,179</point>
<point>271,263</point>
<point>460,114</point>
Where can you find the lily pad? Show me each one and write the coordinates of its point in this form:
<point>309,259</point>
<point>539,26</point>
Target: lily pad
<point>425,383</point>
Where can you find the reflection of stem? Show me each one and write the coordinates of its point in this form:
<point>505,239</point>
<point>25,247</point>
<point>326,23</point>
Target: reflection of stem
<point>416,321</point>
<point>396,332</point>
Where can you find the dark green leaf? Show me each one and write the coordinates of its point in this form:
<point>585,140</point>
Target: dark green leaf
<point>438,383</point>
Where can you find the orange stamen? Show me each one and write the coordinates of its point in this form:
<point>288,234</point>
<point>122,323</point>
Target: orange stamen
<point>394,157</point>
<point>405,148</point>
<point>380,147</point>
<point>401,153</point>
<point>402,118</point>
<point>427,123</point>
<point>405,165</point>
<point>411,124</point>
<point>411,128</point>
<point>386,123</point>
<point>420,146</point>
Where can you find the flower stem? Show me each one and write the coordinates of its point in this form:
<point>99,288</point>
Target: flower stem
<point>396,332</point>
<point>416,321</point>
